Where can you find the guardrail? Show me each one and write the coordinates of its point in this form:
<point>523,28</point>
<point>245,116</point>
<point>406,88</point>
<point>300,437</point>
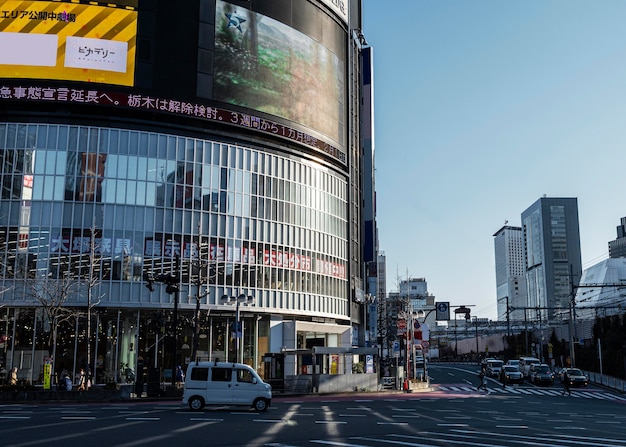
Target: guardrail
<point>608,381</point>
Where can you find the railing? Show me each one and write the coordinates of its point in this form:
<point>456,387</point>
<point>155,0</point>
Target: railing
<point>608,381</point>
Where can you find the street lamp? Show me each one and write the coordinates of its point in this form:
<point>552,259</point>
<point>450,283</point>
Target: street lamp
<point>238,328</point>
<point>459,310</point>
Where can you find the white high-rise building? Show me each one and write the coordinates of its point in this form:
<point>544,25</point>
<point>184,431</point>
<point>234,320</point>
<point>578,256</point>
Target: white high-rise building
<point>510,283</point>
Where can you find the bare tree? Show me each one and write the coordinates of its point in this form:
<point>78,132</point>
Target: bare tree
<point>72,274</point>
<point>52,294</point>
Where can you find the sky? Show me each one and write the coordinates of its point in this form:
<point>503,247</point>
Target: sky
<point>481,108</point>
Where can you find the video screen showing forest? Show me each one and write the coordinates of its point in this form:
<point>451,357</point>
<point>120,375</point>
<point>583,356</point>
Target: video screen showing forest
<point>265,65</point>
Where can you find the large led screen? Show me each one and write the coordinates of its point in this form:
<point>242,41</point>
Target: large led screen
<point>68,41</point>
<point>265,65</point>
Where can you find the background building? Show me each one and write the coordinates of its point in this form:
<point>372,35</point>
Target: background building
<point>510,281</point>
<point>604,291</point>
<point>617,247</point>
<point>552,256</point>
<point>215,149</point>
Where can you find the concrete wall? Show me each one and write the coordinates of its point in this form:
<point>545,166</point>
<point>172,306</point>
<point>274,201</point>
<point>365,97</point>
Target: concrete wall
<point>341,383</point>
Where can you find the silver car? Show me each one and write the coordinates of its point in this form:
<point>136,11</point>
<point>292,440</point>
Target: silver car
<point>511,374</point>
<point>541,374</point>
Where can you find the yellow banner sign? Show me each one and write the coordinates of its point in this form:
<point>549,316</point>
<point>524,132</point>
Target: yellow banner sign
<point>68,41</point>
<point>47,375</point>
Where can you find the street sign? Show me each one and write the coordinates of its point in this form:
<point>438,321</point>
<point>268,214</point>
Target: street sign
<point>396,348</point>
<point>401,327</point>
<point>443,311</point>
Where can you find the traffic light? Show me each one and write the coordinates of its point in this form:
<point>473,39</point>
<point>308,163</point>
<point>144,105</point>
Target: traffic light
<point>169,279</point>
<point>149,281</point>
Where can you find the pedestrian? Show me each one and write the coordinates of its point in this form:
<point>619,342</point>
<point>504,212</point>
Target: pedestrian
<point>180,377</point>
<point>88,379</point>
<point>483,381</point>
<point>82,380</point>
<point>68,382</point>
<point>566,388</point>
<point>13,377</point>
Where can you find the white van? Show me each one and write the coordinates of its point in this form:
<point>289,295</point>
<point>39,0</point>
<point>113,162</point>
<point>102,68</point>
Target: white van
<point>224,383</point>
<point>493,367</point>
<point>524,364</point>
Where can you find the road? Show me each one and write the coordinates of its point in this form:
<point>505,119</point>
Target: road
<point>452,414</point>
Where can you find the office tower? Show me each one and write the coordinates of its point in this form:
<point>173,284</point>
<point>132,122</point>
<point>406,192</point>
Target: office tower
<point>552,256</point>
<point>510,282</point>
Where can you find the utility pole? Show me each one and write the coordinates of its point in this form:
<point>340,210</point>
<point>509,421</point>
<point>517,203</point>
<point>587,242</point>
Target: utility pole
<point>508,318</point>
<point>477,350</point>
<point>199,280</point>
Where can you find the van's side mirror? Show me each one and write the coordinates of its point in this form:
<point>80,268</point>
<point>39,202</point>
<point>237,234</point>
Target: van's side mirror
<point>254,380</point>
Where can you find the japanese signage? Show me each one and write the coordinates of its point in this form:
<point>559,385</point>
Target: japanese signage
<point>167,246</point>
<point>168,106</point>
<point>68,41</point>
<point>79,241</point>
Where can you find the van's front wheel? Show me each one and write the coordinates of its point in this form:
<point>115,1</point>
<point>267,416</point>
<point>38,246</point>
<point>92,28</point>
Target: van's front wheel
<point>196,403</point>
<point>260,404</point>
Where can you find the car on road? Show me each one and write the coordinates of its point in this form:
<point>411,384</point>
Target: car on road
<point>575,376</point>
<point>225,383</point>
<point>511,374</point>
<point>512,362</point>
<point>541,374</point>
<point>492,367</point>
<point>524,364</point>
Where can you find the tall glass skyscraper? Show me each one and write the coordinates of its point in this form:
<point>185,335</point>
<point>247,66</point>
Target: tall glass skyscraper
<point>552,256</point>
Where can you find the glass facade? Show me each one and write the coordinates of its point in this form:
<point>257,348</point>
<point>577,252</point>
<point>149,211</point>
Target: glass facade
<point>552,255</point>
<point>113,205</point>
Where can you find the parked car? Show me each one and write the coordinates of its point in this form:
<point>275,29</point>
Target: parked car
<point>576,377</point>
<point>541,374</point>
<point>492,367</point>
<point>511,373</point>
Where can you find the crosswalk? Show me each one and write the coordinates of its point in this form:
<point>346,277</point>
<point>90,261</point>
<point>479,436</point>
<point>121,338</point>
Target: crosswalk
<point>462,437</point>
<point>527,391</point>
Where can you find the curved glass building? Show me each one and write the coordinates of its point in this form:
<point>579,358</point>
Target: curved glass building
<point>181,186</point>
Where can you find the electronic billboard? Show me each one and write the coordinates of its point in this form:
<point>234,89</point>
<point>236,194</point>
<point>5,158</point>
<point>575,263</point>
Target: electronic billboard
<point>68,41</point>
<point>268,66</point>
